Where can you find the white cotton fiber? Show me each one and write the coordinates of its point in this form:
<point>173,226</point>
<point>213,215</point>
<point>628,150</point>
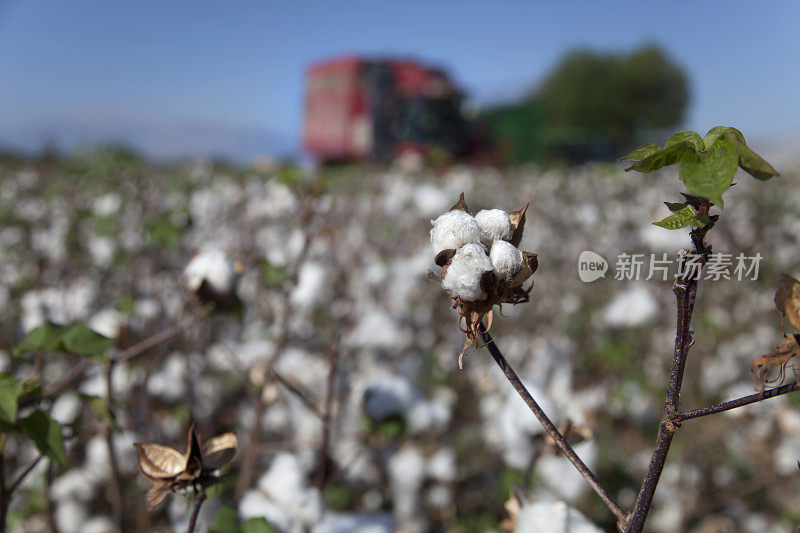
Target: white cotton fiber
<point>453,230</point>
<point>463,276</point>
<point>506,259</point>
<point>494,224</point>
<point>214,267</point>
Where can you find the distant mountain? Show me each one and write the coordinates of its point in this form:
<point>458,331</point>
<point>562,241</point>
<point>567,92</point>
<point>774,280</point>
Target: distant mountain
<point>160,139</point>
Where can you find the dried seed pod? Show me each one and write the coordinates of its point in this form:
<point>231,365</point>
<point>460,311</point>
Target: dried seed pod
<point>170,470</point>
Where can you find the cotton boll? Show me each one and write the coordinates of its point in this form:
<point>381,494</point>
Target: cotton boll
<point>463,276</point>
<point>494,224</point>
<point>453,230</point>
<point>213,267</point>
<point>506,259</point>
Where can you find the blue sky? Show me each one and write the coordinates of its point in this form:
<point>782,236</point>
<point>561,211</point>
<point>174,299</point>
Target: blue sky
<point>175,77</point>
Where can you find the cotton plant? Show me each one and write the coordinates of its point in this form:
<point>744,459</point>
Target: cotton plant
<point>481,263</point>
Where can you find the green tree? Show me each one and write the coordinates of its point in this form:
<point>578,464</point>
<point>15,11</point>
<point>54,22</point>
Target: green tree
<point>619,98</point>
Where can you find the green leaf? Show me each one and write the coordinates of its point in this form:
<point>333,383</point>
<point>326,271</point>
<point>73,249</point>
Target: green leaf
<point>687,136</point>
<point>10,390</point>
<point>675,206</point>
<point>680,219</point>
<point>715,133</point>
<point>83,341</point>
<point>662,158</point>
<point>751,162</point>
<point>45,338</point>
<point>641,152</point>
<point>45,434</point>
<point>710,174</point>
<point>257,525</point>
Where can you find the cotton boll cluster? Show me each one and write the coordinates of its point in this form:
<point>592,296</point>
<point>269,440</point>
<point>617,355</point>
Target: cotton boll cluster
<point>491,231</point>
<point>476,281</point>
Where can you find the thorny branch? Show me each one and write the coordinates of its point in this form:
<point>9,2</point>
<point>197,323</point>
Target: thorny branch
<point>551,429</point>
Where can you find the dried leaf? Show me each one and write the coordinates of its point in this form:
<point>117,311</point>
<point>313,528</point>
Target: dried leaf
<point>786,350</point>
<point>787,299</point>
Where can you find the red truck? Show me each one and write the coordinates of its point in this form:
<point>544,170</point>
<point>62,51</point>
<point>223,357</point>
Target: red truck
<point>359,109</point>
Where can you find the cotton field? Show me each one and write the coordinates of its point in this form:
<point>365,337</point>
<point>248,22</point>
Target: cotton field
<point>295,310</point>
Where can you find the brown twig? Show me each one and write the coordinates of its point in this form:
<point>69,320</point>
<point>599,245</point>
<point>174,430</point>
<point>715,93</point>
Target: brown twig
<point>322,473</point>
<point>76,374</point>
<point>685,290</point>
<point>248,461</point>
<point>115,492</point>
<point>298,392</point>
<point>551,429</point>
<point>738,402</point>
<point>21,477</point>
<point>198,502</point>
<point>163,336</point>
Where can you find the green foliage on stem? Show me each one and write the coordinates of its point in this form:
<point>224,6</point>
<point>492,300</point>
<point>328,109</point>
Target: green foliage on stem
<point>77,339</point>
<point>707,167</point>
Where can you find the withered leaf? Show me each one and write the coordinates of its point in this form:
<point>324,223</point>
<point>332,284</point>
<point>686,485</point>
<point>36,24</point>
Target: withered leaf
<point>787,299</point>
<point>170,470</point>
<point>517,219</point>
<point>786,350</point>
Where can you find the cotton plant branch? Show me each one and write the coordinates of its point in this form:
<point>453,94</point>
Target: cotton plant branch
<point>551,428</point>
<point>249,457</point>
<point>327,415</point>
<point>115,492</point>
<point>738,402</point>
<point>198,502</point>
<point>685,290</point>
